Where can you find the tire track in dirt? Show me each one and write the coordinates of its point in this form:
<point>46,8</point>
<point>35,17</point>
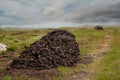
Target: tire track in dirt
<point>94,60</point>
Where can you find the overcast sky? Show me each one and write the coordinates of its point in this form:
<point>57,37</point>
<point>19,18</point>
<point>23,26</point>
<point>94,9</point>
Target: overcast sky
<point>56,12</point>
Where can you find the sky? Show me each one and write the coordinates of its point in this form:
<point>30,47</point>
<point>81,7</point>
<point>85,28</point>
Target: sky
<point>54,13</point>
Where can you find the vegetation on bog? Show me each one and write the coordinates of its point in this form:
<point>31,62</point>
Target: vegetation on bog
<point>87,38</point>
<point>109,68</point>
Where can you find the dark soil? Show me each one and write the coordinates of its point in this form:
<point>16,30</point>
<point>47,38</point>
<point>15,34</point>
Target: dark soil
<point>42,74</point>
<point>86,59</point>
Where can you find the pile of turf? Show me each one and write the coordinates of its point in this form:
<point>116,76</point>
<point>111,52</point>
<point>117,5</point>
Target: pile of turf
<point>57,48</point>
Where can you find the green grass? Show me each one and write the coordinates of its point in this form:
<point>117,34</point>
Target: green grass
<point>1,68</point>
<point>6,78</point>
<point>109,68</point>
<point>20,77</point>
<point>87,39</point>
<point>19,39</point>
<point>66,72</point>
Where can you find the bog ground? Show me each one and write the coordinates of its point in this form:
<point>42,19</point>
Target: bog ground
<point>99,55</point>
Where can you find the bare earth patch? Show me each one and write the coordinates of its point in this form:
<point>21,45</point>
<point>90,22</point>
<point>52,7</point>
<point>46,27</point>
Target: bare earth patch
<point>42,74</point>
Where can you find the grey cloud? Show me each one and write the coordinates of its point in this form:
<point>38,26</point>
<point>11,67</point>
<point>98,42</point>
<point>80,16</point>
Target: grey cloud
<point>52,12</point>
<point>67,11</point>
<point>96,13</point>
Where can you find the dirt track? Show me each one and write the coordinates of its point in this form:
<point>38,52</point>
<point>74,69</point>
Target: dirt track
<point>94,60</point>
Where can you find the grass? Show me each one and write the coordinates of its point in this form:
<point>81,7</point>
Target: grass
<point>1,68</point>
<point>18,39</point>
<point>20,77</point>
<point>109,68</point>
<point>87,39</point>
<point>6,78</point>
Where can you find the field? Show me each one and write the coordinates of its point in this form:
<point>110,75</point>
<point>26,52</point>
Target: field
<point>99,53</point>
